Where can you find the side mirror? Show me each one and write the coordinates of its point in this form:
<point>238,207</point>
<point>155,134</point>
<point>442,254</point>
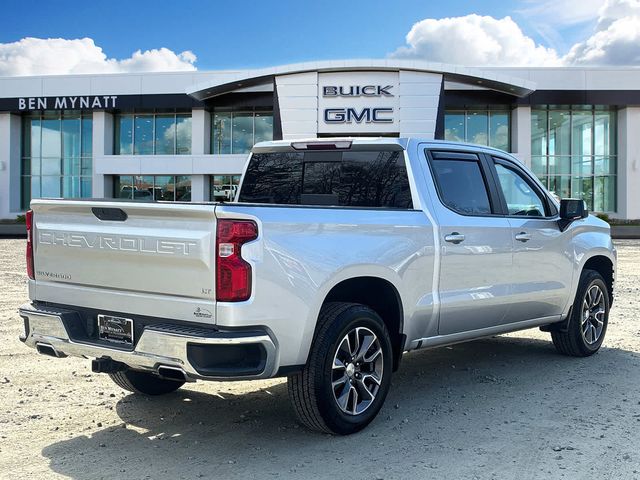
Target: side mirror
<point>571,209</point>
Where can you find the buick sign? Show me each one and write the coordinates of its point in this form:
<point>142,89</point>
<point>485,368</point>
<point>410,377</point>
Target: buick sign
<point>357,91</point>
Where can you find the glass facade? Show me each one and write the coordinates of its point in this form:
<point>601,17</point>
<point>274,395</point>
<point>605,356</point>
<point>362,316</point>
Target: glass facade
<point>237,132</point>
<point>224,187</point>
<point>168,188</point>
<point>152,134</point>
<point>573,152</point>
<point>56,156</point>
<point>481,126</point>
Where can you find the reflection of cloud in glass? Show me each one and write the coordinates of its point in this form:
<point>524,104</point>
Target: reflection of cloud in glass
<point>480,138</point>
<point>183,135</point>
<point>453,135</point>
<point>500,137</point>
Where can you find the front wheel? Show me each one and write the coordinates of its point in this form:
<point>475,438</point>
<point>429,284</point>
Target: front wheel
<point>589,318</point>
<point>145,383</point>
<point>347,377</point>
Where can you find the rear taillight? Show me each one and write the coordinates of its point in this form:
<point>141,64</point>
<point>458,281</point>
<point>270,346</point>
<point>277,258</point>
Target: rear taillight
<point>29,222</point>
<point>233,274</point>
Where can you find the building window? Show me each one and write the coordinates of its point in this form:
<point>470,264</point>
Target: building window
<point>573,152</point>
<point>224,187</point>
<point>56,156</point>
<point>238,132</point>
<point>153,134</point>
<point>484,127</point>
<point>149,188</point>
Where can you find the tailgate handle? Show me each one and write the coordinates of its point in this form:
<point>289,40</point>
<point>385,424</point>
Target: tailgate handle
<point>110,214</point>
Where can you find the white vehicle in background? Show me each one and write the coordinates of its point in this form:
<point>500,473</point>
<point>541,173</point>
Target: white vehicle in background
<point>225,193</point>
<point>337,256</point>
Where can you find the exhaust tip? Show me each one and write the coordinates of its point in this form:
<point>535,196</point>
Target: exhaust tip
<point>45,349</point>
<point>172,373</point>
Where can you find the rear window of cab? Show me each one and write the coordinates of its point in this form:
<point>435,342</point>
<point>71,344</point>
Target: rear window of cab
<point>371,178</point>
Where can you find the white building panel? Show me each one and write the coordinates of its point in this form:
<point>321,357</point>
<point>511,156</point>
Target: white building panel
<point>418,113</point>
<point>116,84</point>
<point>61,86</point>
<point>302,87</point>
<point>219,164</point>
<point>165,164</point>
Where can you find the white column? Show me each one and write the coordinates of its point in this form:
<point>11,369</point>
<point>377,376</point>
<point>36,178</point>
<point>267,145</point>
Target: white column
<point>521,134</point>
<point>298,101</point>
<point>10,181</point>
<point>200,132</point>
<point>102,145</point>
<point>419,97</point>
<point>199,188</point>
<point>200,145</point>
<point>628,196</point>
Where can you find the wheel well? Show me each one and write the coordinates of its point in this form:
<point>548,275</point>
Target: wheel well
<point>383,298</point>
<point>604,267</point>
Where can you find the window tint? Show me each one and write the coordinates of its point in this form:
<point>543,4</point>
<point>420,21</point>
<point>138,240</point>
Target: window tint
<point>357,179</point>
<point>520,197</point>
<point>461,186</point>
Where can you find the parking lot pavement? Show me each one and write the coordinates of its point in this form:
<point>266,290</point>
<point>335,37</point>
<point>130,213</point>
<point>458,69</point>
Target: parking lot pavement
<point>505,407</point>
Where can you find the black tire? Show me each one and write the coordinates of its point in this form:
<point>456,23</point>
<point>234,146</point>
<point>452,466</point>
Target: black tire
<point>144,383</point>
<point>310,391</point>
<point>574,342</point>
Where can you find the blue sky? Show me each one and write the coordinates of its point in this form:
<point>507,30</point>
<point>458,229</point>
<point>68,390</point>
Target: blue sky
<point>246,34</point>
<point>70,37</point>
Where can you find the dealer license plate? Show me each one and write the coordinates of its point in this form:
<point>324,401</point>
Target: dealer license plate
<point>115,329</point>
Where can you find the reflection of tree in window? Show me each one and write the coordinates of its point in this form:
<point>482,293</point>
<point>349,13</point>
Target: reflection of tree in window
<point>273,178</point>
<point>374,179</point>
<point>365,179</point>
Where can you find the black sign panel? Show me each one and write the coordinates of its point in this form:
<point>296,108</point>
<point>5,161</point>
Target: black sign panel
<point>98,102</point>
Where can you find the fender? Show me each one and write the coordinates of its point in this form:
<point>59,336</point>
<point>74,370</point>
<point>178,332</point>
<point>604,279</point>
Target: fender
<point>351,272</point>
<point>588,242</point>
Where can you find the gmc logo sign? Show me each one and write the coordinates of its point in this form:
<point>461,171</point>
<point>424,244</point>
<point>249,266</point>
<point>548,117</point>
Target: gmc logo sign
<point>352,115</point>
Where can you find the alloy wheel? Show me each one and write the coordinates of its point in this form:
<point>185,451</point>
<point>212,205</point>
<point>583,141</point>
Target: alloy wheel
<point>593,311</point>
<point>357,371</point>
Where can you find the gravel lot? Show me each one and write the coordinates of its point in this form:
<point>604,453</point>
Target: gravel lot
<point>505,407</point>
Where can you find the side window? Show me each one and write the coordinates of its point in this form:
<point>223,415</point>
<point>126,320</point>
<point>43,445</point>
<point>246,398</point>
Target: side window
<point>521,198</point>
<point>461,186</point>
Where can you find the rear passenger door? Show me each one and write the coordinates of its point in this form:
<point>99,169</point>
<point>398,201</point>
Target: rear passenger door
<point>476,247</point>
<point>542,257</point>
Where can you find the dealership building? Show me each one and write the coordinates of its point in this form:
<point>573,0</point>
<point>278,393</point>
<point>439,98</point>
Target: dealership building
<point>186,135</point>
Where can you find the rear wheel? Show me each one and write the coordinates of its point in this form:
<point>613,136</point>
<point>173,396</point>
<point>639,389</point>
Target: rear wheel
<point>144,383</point>
<point>589,318</point>
<point>347,377</point>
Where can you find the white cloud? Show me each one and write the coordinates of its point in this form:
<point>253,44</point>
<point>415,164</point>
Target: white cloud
<point>474,40</point>
<point>616,40</point>
<point>613,10</point>
<point>561,12</point>
<point>484,40</point>
<point>57,56</point>
<point>619,44</point>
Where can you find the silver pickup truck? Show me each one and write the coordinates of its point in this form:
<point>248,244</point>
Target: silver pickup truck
<point>336,257</point>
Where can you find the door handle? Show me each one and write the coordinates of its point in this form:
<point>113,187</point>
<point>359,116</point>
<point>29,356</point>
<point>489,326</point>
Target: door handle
<point>454,237</point>
<point>523,237</point>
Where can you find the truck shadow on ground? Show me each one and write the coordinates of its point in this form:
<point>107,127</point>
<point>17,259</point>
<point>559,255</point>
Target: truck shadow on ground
<point>455,410</point>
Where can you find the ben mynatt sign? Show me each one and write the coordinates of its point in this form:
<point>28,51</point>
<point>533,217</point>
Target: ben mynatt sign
<point>67,103</point>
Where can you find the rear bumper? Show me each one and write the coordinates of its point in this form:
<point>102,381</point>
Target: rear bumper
<point>201,353</point>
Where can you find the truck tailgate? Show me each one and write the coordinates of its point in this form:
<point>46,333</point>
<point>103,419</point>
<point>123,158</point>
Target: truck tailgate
<point>160,252</point>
